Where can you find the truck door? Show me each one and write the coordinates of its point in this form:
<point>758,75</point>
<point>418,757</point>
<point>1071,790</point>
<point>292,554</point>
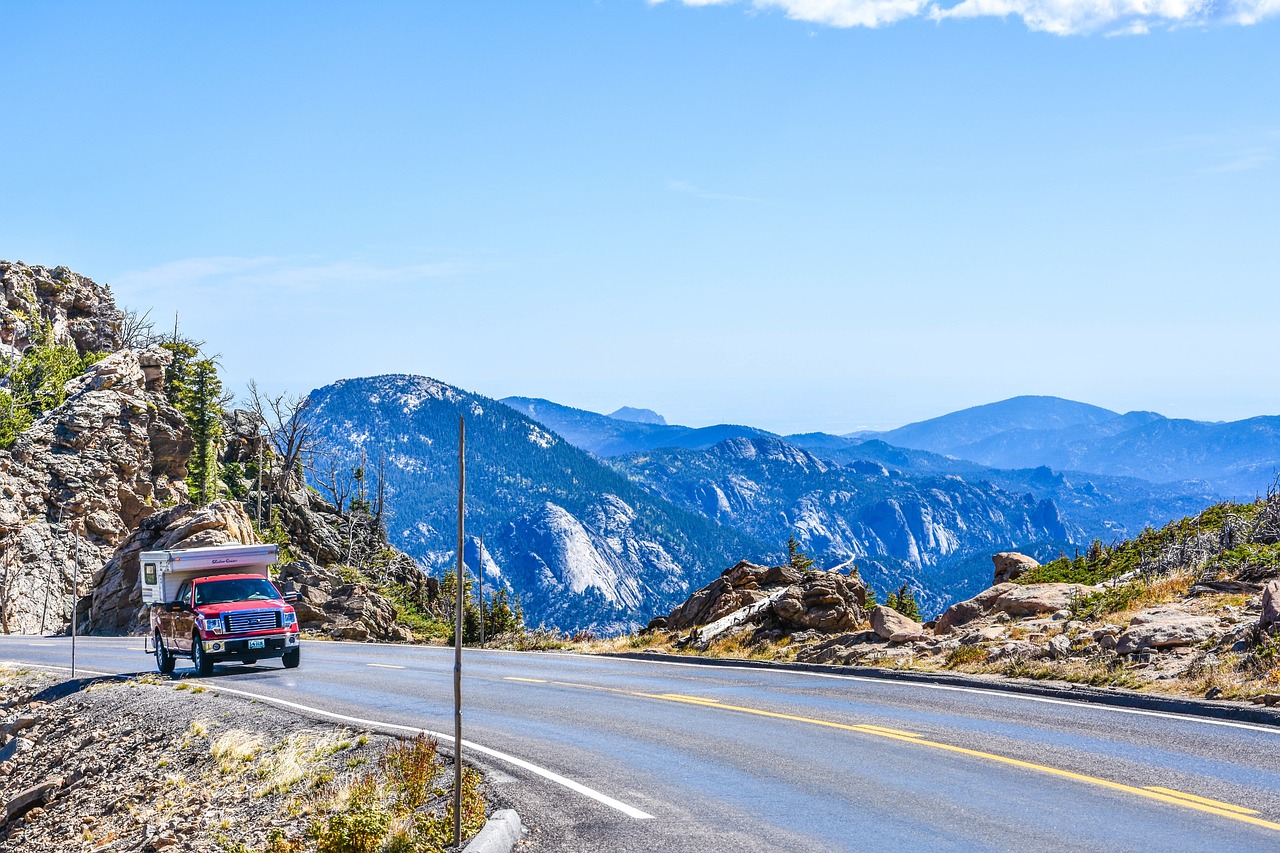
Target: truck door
<point>181,623</point>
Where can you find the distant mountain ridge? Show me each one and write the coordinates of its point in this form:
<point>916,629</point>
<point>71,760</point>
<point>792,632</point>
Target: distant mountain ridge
<point>608,435</point>
<point>1236,459</point>
<point>600,522</point>
<point>639,416</point>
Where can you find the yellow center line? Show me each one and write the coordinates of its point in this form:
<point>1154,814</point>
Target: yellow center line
<point>530,680</point>
<point>386,666</point>
<point>1163,795</point>
<point>1204,800</point>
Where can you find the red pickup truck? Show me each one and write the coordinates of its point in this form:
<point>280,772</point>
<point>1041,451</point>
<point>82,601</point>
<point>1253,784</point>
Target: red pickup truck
<point>225,617</point>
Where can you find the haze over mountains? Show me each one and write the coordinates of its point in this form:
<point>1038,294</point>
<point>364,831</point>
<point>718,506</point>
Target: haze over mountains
<point>601,521</point>
<point>1237,459</point>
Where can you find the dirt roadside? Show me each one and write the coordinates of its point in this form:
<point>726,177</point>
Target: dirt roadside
<point>159,765</point>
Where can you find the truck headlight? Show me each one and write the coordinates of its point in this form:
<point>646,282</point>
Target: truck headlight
<point>288,619</point>
<point>212,625</point>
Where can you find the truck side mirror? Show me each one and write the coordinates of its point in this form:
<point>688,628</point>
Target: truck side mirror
<point>291,597</point>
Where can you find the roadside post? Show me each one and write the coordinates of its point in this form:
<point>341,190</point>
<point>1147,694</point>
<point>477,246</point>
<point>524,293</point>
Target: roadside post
<point>459,592</point>
<point>75,599</point>
<point>480,589</point>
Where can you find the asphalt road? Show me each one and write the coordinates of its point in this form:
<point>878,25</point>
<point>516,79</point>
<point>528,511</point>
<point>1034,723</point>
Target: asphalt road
<point>604,754</point>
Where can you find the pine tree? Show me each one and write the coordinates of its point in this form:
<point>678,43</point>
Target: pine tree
<point>795,557</point>
<point>202,405</point>
<point>904,601</point>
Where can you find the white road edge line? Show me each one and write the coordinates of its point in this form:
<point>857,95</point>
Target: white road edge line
<point>981,691</point>
<point>551,776</point>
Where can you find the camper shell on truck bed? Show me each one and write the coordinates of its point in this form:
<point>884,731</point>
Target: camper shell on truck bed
<point>217,604</point>
<point>164,571</point>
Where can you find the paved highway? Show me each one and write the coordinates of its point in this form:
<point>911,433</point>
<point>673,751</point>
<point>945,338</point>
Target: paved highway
<point>603,754</point>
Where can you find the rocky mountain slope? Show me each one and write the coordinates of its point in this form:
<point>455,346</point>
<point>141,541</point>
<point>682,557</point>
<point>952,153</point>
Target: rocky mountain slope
<point>582,545</point>
<point>921,523</point>
<point>897,528</point>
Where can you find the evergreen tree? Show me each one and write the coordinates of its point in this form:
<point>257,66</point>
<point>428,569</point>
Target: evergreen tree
<point>904,601</point>
<point>796,558</point>
<point>201,403</point>
<point>36,381</point>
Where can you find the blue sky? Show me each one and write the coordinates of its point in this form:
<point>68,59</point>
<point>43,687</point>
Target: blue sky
<point>766,212</point>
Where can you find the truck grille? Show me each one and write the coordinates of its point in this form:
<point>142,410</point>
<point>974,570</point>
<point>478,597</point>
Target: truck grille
<point>252,620</point>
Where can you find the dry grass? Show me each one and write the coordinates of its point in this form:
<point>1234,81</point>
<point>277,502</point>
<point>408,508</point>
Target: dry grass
<point>295,758</point>
<point>234,749</point>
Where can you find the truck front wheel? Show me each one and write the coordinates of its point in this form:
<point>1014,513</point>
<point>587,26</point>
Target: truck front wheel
<point>291,658</point>
<point>204,666</point>
<point>164,660</point>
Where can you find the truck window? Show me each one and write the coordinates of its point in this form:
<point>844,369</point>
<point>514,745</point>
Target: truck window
<point>149,573</point>
<point>182,592</point>
<point>236,589</point>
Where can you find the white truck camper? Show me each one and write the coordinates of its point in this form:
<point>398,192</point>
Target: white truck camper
<point>162,572</point>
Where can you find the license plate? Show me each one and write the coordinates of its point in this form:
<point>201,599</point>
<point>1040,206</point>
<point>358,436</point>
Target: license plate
<point>257,644</point>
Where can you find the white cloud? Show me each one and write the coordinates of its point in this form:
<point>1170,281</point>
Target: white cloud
<point>1060,17</point>
<point>227,273</point>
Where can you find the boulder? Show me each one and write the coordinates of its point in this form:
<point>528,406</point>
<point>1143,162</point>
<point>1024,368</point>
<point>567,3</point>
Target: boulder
<point>839,649</point>
<point>718,598</point>
<point>1014,600</point>
<point>1060,647</point>
<point>1037,598</point>
<point>1162,628</point>
<point>896,628</point>
<point>1010,565</point>
<point>823,601</point>
<point>963,612</point>
<point>1270,615</point>
<point>31,797</point>
<point>738,586</point>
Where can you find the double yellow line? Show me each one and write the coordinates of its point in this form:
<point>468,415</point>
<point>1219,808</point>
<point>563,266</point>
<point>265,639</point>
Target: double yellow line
<point>1151,792</point>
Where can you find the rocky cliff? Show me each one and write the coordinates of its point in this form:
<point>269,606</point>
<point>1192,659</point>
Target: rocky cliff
<point>79,310</point>
<point>101,477</point>
<point>91,470</point>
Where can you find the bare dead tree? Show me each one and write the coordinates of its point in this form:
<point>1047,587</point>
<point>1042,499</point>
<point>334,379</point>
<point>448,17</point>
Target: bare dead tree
<point>291,437</point>
<point>380,488</point>
<point>333,477</point>
<point>137,331</point>
<point>6,591</point>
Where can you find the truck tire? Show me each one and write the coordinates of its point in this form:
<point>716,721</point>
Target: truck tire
<point>164,660</point>
<point>204,666</point>
<point>291,658</point>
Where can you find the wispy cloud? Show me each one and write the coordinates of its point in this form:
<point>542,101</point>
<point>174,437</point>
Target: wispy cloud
<point>1245,160</point>
<point>689,189</point>
<point>1238,152</point>
<point>282,274</point>
<point>1060,17</point>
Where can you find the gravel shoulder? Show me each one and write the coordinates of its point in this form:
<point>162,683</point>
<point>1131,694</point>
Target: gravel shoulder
<point>149,765</point>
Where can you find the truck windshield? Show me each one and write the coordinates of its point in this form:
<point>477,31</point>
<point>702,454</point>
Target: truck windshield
<point>237,589</point>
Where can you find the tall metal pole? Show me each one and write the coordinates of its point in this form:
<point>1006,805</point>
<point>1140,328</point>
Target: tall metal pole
<point>457,641</point>
<point>75,603</point>
<point>480,591</point>
<point>259,443</point>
